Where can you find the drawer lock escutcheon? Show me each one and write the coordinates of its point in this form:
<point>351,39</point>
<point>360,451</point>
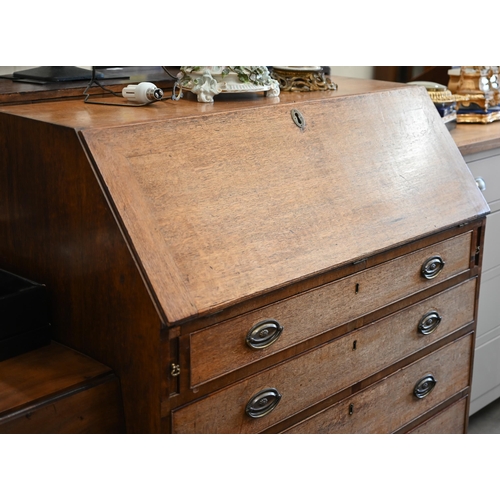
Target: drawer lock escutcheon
<point>424,386</point>
<point>429,322</point>
<point>263,403</point>
<point>264,334</point>
<point>298,118</point>
<point>432,267</point>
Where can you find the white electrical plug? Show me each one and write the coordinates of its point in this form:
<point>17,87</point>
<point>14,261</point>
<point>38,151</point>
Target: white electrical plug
<point>142,93</point>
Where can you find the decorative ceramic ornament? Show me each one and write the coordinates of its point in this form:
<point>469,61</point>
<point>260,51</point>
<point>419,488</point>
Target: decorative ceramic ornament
<point>209,81</point>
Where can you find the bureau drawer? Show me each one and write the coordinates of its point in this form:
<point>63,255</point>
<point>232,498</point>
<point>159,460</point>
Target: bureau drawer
<point>223,348</point>
<point>391,403</point>
<point>449,421</point>
<point>324,371</point>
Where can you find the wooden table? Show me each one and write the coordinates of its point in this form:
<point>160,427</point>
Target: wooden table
<point>476,137</point>
<point>22,93</point>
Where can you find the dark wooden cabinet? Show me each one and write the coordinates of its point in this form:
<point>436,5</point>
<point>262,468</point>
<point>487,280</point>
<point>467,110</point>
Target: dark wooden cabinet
<point>55,389</point>
<point>244,271</point>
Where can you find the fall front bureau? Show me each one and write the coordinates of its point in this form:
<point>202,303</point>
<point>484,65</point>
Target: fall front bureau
<point>242,273</point>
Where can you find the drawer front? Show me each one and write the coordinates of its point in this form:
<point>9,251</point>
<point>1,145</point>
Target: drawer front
<point>488,169</point>
<point>323,371</point>
<point>391,403</point>
<point>449,421</point>
<point>223,348</point>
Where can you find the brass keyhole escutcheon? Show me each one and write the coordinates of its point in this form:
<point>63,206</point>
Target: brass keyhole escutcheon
<point>298,118</point>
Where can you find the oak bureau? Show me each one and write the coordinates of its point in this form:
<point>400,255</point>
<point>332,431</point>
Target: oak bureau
<point>302,264</point>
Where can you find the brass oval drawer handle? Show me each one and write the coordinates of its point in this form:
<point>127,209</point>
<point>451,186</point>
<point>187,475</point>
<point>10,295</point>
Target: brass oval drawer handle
<point>263,403</point>
<point>432,267</point>
<point>429,322</point>
<point>424,386</point>
<point>264,334</point>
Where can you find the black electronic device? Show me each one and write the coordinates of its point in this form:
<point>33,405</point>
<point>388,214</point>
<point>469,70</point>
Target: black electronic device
<point>24,315</point>
<point>56,74</point>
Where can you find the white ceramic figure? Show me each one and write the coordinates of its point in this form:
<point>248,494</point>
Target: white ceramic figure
<point>208,81</point>
<point>205,87</point>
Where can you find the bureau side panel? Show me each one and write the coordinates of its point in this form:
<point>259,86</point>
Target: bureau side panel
<point>57,228</point>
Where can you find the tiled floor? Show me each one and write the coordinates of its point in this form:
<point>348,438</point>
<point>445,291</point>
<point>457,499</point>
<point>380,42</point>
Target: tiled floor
<point>486,420</point>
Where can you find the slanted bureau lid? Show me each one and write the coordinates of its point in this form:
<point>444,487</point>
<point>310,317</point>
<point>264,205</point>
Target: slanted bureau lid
<point>222,206</point>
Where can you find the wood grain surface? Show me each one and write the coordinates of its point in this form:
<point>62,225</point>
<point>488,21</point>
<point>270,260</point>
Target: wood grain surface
<point>46,370</point>
<point>476,137</point>
<point>55,389</point>
<point>56,228</point>
<point>218,349</point>
<point>318,374</point>
<point>452,420</point>
<point>147,224</point>
<point>92,409</point>
<point>390,404</point>
<point>219,222</point>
